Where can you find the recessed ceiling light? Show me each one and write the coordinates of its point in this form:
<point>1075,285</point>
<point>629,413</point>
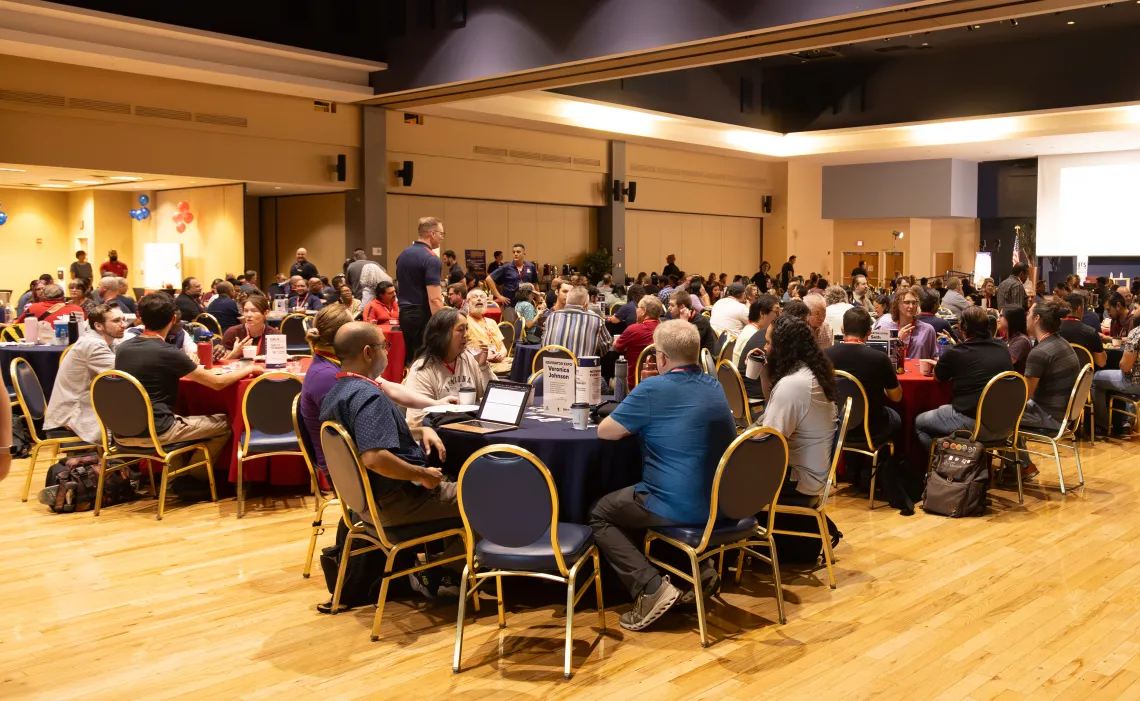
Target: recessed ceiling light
<point>277,188</point>
<point>127,178</point>
<point>193,182</point>
<point>1070,22</point>
<point>52,185</point>
<point>12,170</point>
<point>87,182</point>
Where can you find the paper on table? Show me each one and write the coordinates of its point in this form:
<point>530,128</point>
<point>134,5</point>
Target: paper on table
<point>557,385</point>
<point>275,355</point>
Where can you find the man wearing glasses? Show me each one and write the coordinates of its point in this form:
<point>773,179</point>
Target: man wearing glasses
<point>418,284</point>
<point>511,276</point>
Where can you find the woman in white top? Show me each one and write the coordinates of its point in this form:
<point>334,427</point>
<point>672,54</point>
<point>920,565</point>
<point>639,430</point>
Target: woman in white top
<point>801,406</point>
<point>444,363</point>
<point>371,275</point>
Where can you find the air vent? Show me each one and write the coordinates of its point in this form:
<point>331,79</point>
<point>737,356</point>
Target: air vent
<point>489,151</point>
<point>693,174</point>
<point>668,171</point>
<point>588,162</point>
<point>162,113</point>
<point>78,103</point>
<point>221,120</point>
<point>817,54</point>
<point>551,158</point>
<point>639,168</point>
<point>535,156</point>
<point>528,155</point>
<point>32,98</point>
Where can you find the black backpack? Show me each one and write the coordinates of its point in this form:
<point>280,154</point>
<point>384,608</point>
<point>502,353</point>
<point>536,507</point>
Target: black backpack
<point>364,572</point>
<point>957,485</point>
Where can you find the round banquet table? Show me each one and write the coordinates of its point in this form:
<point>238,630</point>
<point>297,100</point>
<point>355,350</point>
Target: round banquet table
<point>394,372</point>
<point>920,394</point>
<point>198,400</point>
<point>43,359</point>
<point>584,467</point>
<point>524,357</point>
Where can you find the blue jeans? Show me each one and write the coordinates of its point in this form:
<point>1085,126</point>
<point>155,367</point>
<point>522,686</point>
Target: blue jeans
<point>942,422</point>
<point>1103,382</point>
<point>1036,420</point>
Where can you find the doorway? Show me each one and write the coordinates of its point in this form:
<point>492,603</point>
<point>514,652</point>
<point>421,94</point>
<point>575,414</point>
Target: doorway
<point>851,260</point>
<point>893,261</point>
<point>943,262</point>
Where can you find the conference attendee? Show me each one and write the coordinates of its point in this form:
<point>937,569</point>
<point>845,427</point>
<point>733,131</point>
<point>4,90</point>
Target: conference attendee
<point>801,407</point>
<point>860,269</point>
<point>1060,291</point>
<point>158,367</point>
<point>130,306</point>
<point>671,267</point>
<point>317,288</point>
<point>987,295</point>
<point>249,285</point>
<point>560,292</point>
<point>451,268</point>
<point>761,314</point>
<point>303,266</point>
<point>1120,313</point>
<point>969,366</point>
<point>1090,318</point>
<point>77,295</point>
<point>346,300</point>
<point>81,268</point>
<point>483,332</point>
<point>882,310</point>
<point>902,286</point>
<point>505,281</point>
<point>653,286</point>
<point>303,299</point>
<point>113,265</point>
<point>354,269</point>
<point>730,314</point>
<point>573,327</point>
<point>920,339</point>
<point>189,300</point>
<point>1050,373</point>
<point>861,294</point>
<point>606,287</point>
<point>371,275</point>
<point>928,303</point>
<point>54,306</point>
<point>445,364</point>
<point>252,331</point>
<point>954,301</point>
<point>715,293</point>
<point>1012,327</point>
<point>684,425</point>
<point>457,297</point>
<point>1076,332</point>
<point>876,373</point>
<point>817,320</point>
<point>34,294</point>
<point>108,292</point>
<point>1125,292</point>
<point>70,406</point>
<point>681,307</point>
<point>418,279</point>
<point>626,315</point>
<point>700,298</point>
<point>837,305</point>
<point>224,308</point>
<point>787,272</point>
<point>278,288</point>
<point>1126,380</point>
<point>639,336</point>
<point>668,284</point>
<point>616,296</point>
<point>5,439</point>
<point>405,490</point>
<point>384,308</point>
<point>529,306</point>
<point>1012,289</point>
<point>496,261</point>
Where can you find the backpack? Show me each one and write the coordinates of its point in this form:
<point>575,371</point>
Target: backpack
<point>794,549</point>
<point>957,485</point>
<point>72,485</point>
<point>364,572</point>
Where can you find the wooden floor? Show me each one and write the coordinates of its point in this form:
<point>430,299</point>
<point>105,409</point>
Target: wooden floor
<point>1040,602</point>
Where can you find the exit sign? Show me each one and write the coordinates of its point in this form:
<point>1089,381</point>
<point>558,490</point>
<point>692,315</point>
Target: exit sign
<point>859,243</point>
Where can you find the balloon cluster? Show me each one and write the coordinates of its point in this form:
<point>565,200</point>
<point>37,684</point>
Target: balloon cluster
<point>143,212</point>
<point>182,217</point>
<point>3,217</point>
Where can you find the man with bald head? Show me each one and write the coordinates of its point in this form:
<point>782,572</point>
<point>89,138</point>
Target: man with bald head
<point>413,498</point>
<point>303,266</point>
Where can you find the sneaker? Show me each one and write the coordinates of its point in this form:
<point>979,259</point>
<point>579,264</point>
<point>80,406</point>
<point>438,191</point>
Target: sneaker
<point>710,585</point>
<point>425,583</point>
<point>649,607</point>
<point>1029,472</point>
<point>448,586</point>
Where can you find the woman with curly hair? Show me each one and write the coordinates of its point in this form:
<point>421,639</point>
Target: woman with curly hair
<point>920,337</point>
<point>801,406</point>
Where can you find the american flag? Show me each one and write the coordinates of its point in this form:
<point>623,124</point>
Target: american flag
<point>1016,245</point>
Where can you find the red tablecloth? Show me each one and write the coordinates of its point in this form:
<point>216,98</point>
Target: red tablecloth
<point>920,393</point>
<point>197,400</point>
<point>395,370</point>
<point>494,314</point>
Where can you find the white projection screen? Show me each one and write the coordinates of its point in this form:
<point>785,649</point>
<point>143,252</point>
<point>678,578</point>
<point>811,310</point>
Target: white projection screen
<point>1089,204</point>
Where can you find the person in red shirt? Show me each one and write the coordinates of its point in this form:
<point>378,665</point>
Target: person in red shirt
<point>54,305</point>
<point>637,337</point>
<point>113,264</point>
<point>383,308</point>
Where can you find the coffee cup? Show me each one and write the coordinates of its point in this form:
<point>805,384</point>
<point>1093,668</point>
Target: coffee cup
<point>753,366</point>
<point>1116,343</point>
<point>927,366</point>
<point>467,395</point>
<point>580,415</point>
<point>249,352</point>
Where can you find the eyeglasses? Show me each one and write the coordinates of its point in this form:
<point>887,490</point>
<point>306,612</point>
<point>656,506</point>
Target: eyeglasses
<point>908,304</point>
<point>382,345</point>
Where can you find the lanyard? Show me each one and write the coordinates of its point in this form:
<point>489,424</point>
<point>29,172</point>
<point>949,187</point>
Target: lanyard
<point>152,334</point>
<point>686,368</point>
<point>342,375</point>
<point>260,340</point>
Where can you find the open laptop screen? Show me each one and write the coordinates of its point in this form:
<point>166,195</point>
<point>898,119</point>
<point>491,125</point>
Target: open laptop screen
<point>504,402</point>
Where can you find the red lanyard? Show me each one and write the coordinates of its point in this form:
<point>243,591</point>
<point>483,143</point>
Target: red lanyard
<point>260,340</point>
<point>342,375</point>
<point>302,301</point>
<point>152,334</point>
<point>451,367</point>
<point>1071,318</point>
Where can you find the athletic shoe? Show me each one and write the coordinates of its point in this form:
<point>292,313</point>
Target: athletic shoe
<point>448,586</point>
<point>425,583</point>
<point>1029,472</point>
<point>710,585</point>
<point>649,607</point>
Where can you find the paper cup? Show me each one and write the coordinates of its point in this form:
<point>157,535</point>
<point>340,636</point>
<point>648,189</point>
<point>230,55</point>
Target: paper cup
<point>927,366</point>
<point>249,352</point>
<point>752,368</point>
<point>1116,343</point>
<point>467,396</point>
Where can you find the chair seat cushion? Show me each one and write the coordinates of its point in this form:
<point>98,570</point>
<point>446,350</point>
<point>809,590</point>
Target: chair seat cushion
<point>725,531</point>
<point>260,442</point>
<point>573,540</point>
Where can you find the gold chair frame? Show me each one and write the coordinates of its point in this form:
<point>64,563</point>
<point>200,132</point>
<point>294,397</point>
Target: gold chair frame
<point>1067,431</point>
<point>651,348</point>
<point>136,455</point>
<point>321,502</point>
<point>57,445</point>
<point>538,356</point>
<point>702,552</point>
<point>707,362</point>
<point>1090,406</point>
<point>305,322</point>
<point>873,454</point>
<point>510,346</point>
<point>216,329</point>
<point>726,350</point>
<point>747,418</point>
<point>243,449</point>
<point>359,531</point>
<point>566,576</point>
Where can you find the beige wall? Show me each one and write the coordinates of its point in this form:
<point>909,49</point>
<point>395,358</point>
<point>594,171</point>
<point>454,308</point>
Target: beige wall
<point>37,238</point>
<point>114,230</point>
<point>923,238</point>
<point>212,244</point>
<point>551,233</point>
<point>876,237</point>
<point>312,222</point>
<point>702,243</point>
<point>673,180</point>
<point>958,235</point>
<point>799,227</point>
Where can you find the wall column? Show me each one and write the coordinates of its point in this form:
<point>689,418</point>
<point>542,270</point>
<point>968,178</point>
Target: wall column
<point>366,209</point>
<point>611,227</point>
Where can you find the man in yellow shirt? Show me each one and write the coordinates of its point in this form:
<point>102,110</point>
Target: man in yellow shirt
<point>483,332</point>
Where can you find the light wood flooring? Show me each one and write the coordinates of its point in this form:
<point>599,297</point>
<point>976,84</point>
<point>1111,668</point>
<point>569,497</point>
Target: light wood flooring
<point>1039,602</point>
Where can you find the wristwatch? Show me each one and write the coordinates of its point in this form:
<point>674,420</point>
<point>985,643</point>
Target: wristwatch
<point>8,450</point>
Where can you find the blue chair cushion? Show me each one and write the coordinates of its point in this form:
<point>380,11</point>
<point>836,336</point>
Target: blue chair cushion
<point>573,540</point>
<point>725,531</point>
<point>260,442</point>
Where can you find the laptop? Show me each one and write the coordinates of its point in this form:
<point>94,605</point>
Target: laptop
<point>501,410</point>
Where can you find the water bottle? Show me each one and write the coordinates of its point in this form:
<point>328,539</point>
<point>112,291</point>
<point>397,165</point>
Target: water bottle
<point>72,328</point>
<point>942,347</point>
<point>621,377</point>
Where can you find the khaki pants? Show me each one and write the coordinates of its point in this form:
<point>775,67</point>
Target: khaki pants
<point>213,430</point>
<point>409,512</point>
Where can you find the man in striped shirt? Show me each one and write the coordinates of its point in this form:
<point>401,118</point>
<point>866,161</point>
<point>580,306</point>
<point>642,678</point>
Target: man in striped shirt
<point>573,327</point>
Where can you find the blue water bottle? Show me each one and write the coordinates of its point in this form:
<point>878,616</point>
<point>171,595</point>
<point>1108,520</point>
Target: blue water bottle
<point>942,347</point>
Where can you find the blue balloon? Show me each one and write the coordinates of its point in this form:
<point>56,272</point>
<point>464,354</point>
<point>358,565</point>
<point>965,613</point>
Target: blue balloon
<point>145,212</point>
<point>134,213</point>
<point>3,218</point>
<point>144,200</point>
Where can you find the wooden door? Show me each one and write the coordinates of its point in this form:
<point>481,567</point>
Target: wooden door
<point>943,261</point>
<point>893,261</point>
<point>850,260</point>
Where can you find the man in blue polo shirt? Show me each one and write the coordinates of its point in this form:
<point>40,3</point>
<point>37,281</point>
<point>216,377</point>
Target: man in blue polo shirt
<point>418,273</point>
<point>685,424</point>
<point>509,277</point>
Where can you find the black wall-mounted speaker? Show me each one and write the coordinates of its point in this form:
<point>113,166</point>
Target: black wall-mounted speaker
<point>405,173</point>
<point>631,191</point>
<point>341,167</point>
<point>766,204</point>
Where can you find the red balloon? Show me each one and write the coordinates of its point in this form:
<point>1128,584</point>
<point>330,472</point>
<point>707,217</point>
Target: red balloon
<point>176,217</point>
<point>181,228</point>
<point>183,206</point>
<point>188,218</point>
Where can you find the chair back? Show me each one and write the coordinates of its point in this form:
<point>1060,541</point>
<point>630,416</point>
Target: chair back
<point>852,389</point>
<point>1000,407</point>
<point>726,350</point>
<point>748,478</point>
<point>350,478</point>
<point>1083,354</point>
<point>265,404</point>
<point>1080,396</point>
<point>122,406</point>
<point>15,332</point>
<point>551,352</point>
<point>508,497</point>
<point>508,331</point>
<point>29,393</point>
<point>535,381</point>
<point>66,350</point>
<point>614,307</point>
<point>837,447</point>
<point>519,325</point>
<point>195,329</point>
<point>210,322</point>
<point>293,326</point>
<point>509,314</point>
<point>303,438</point>
<point>733,386</point>
<point>707,362</point>
<point>645,354</point>
<point>719,345</point>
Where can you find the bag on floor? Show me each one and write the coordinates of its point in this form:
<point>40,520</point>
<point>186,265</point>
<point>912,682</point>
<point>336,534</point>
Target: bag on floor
<point>364,572</point>
<point>21,437</point>
<point>902,485</point>
<point>957,485</point>
<point>76,482</point>
<point>798,549</point>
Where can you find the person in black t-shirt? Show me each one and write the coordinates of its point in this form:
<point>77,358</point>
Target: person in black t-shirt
<point>970,365</point>
<point>1076,332</point>
<point>858,270</point>
<point>787,272</point>
<point>876,372</point>
<point>418,284</point>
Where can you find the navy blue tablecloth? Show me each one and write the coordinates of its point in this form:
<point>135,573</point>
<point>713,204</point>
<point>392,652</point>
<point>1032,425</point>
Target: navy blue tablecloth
<point>584,467</point>
<point>43,359</point>
<point>524,357</point>
<point>1114,356</point>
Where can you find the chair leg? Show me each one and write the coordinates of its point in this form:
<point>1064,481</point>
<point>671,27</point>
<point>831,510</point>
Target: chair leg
<point>1060,473</point>
<point>150,475</point>
<point>318,528</point>
<point>697,589</point>
<point>874,474</point>
<point>210,474</point>
<point>569,624</point>
<point>739,565</point>
<point>826,538</point>
<point>344,555</point>
<point>240,494</point>
<point>598,589</point>
<point>1020,489</point>
<point>380,606</point>
<point>776,577</point>
<point>99,488</point>
<point>1077,457</point>
<point>162,485</point>
<point>35,456</point>
<point>459,622</point>
<point>499,602</point>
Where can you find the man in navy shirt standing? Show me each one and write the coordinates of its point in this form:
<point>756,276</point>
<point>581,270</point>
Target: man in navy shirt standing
<point>509,277</point>
<point>418,272</point>
<point>684,423</point>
